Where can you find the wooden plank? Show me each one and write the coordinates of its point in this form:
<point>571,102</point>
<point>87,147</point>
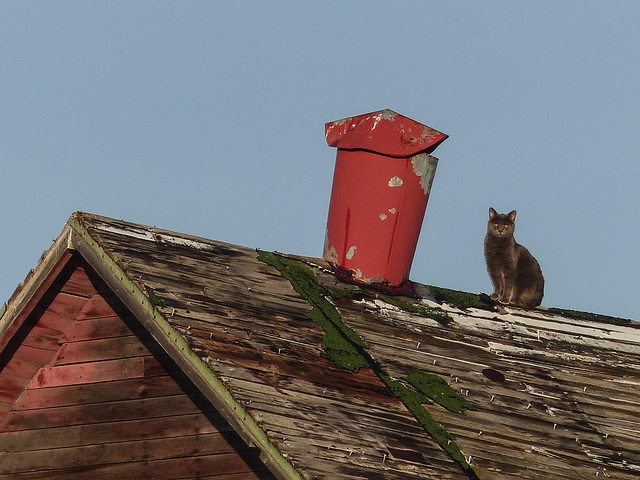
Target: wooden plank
<point>99,305</point>
<point>10,387</point>
<point>186,274</point>
<point>25,362</point>
<point>97,328</point>
<point>257,473</point>
<point>347,429</point>
<point>90,372</point>
<point>116,432</point>
<point>277,373</point>
<point>365,467</point>
<point>225,467</point>
<point>245,346</point>
<point>283,373</point>
<point>235,328</point>
<point>66,305</point>
<point>160,365</point>
<point>80,282</point>
<point>123,452</point>
<point>526,458</point>
<point>105,412</point>
<point>118,472</point>
<point>116,390</point>
<point>47,330</point>
<point>19,367</point>
<point>103,349</point>
<point>554,369</point>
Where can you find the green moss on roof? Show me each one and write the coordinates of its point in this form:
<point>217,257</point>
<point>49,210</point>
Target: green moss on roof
<point>456,298</point>
<point>436,314</point>
<point>155,300</point>
<point>347,349</point>
<point>340,343</point>
<point>593,317</point>
<point>414,401</point>
<point>337,347</point>
<point>352,293</point>
<point>438,390</point>
<point>464,300</point>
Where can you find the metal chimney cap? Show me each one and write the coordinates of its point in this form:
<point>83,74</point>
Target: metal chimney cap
<point>385,132</point>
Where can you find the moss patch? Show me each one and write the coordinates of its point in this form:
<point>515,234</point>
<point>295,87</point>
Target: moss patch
<point>594,317</point>
<point>436,314</point>
<point>337,347</point>
<point>414,401</point>
<point>462,300</point>
<point>352,293</point>
<point>340,343</point>
<point>155,300</point>
<point>438,390</point>
<point>347,349</point>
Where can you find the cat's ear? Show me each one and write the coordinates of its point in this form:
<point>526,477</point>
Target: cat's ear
<point>512,215</point>
<point>492,213</point>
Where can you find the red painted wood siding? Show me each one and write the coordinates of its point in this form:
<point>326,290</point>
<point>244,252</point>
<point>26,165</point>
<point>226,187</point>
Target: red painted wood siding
<point>85,392</point>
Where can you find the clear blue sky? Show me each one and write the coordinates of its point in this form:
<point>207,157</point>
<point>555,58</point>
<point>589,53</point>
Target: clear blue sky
<point>208,118</point>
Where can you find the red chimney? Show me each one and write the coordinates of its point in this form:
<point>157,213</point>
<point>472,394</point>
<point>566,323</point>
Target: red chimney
<point>381,186</point>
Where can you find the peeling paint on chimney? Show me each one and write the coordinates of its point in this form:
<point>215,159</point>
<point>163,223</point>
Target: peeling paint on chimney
<point>396,181</point>
<point>330,253</point>
<point>387,114</point>
<point>424,166</point>
<point>383,168</point>
<point>384,216</point>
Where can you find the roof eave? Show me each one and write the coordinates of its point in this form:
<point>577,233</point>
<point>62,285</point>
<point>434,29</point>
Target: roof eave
<point>38,281</point>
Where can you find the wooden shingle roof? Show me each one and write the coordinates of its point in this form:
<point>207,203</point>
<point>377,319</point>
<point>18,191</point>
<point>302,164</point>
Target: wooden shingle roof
<point>334,381</point>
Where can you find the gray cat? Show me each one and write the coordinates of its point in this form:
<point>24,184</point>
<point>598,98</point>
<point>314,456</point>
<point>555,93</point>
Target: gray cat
<point>514,273</point>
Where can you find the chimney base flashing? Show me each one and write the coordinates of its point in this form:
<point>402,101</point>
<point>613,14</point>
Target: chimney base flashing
<point>405,288</point>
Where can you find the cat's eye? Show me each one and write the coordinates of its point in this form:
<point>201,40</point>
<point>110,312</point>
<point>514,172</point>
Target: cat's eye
<point>495,224</point>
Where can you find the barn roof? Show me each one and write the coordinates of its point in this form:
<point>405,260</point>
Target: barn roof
<point>335,381</point>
